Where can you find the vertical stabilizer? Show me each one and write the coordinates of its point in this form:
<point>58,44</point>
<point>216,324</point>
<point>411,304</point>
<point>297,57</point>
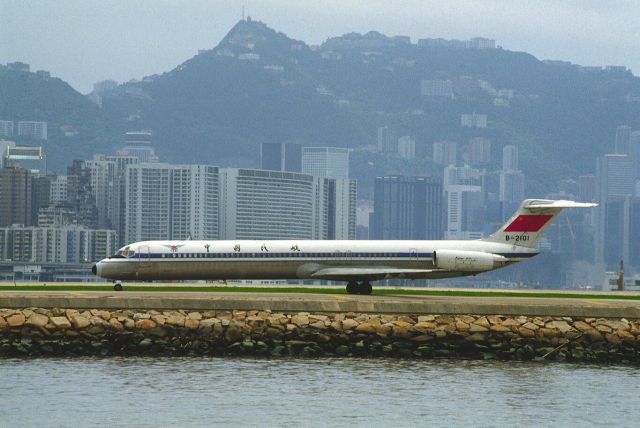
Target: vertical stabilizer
<point>533,217</point>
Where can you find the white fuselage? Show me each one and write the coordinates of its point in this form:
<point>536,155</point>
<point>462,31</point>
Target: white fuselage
<point>296,259</point>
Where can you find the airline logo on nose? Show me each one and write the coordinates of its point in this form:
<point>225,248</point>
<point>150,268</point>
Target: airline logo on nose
<point>528,223</point>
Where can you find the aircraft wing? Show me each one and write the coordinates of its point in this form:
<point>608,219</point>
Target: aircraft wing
<point>370,273</point>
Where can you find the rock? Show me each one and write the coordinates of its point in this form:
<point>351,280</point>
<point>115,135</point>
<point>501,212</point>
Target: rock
<point>613,338</point>
<point>525,332</point>
<point>175,320</point>
<point>117,325</point>
<point>3,323</point>
<point>462,326</point>
<point>60,322</point>
<point>7,312</point>
<point>407,319</point>
<point>530,326</point>
<point>316,317</point>
<point>562,326</point>
<point>614,324</point>
<point>145,324</point>
<point>145,343</point>
<point>342,350</point>
<point>401,332</point>
<point>603,328</point>
<point>625,335</point>
<point>319,325</point>
<point>366,328</point>
<point>70,313</point>
<point>477,337</point>
<point>37,320</point>
<point>300,320</point>
<point>425,326</point>
<point>498,328</point>
<point>495,319</point>
<point>233,334</point>
<point>191,324</point>
<point>475,328</point>
<point>426,318</point>
<point>349,324</point>
<point>141,316</point>
<point>16,320</point>
<point>422,338</point>
<point>129,324</point>
<point>482,321</point>
<point>209,322</point>
<point>158,319</point>
<point>79,322</point>
<point>383,330</point>
<point>582,326</point>
<point>194,316</point>
<point>323,338</point>
<point>95,329</point>
<point>548,332</point>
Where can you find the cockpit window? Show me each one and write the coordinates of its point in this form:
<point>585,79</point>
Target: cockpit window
<point>124,252</point>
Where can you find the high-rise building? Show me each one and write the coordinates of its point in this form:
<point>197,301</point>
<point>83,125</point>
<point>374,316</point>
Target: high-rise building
<point>510,158</point>
<point>6,128</point>
<point>465,212</point>
<point>473,120</point>
<point>281,157</point>
<point>329,162</point>
<point>67,244</point>
<point>464,175</point>
<point>387,140</point>
<point>80,196</point>
<point>623,139</point>
<point>4,146</point>
<point>139,144</point>
<point>445,152</point>
<point>511,191</point>
<point>341,210</point>
<point>258,204</point>
<point>615,173</point>
<point>634,152</point>
<point>479,151</point>
<point>587,188</point>
<point>407,147</point>
<point>165,201</point>
<point>32,129</point>
<point>32,159</point>
<point>117,201</point>
<point>103,186</point>
<point>407,208</point>
<point>436,88</point>
<point>16,195</point>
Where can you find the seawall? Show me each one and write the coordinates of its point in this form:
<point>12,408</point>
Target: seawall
<point>38,331</point>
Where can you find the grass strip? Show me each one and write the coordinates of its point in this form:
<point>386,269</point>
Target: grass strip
<point>321,290</point>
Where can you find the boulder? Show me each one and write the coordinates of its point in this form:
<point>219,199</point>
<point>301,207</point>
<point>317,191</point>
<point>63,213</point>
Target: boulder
<point>562,326</point>
<point>145,324</point>
<point>129,324</point>
<point>349,324</point>
<point>426,318</point>
<point>582,326</point>
<point>366,328</point>
<point>477,337</point>
<point>498,328</point>
<point>615,324</point>
<point>191,324</point>
<point>194,316</point>
<point>300,320</point>
<point>482,321</point>
<point>38,320</point>
<point>79,322</point>
<point>425,326</point>
<point>525,332</point>
<point>462,326</point>
<point>319,325</point>
<point>115,324</point>
<point>209,322</point>
<point>175,320</point>
<point>60,322</point>
<point>3,323</point>
<point>233,334</point>
<point>475,328</point>
<point>530,326</point>
<point>16,320</point>
<point>141,316</point>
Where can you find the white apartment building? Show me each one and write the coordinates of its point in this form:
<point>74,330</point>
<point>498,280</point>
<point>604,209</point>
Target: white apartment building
<point>32,129</point>
<point>330,162</point>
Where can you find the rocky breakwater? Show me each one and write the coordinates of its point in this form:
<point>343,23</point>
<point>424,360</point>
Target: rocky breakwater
<point>68,332</point>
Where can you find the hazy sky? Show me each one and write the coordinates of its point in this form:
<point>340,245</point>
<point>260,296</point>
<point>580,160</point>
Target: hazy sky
<point>84,41</point>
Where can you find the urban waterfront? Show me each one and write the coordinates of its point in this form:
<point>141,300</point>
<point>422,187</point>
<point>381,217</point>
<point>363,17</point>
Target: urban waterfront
<point>313,392</point>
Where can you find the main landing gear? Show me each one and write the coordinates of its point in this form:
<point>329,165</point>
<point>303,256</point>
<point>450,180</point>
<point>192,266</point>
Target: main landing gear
<point>117,286</point>
<point>359,287</point>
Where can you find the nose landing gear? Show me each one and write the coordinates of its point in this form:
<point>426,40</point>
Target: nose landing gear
<point>359,287</point>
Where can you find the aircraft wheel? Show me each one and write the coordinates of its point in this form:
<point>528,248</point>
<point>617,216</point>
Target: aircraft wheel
<point>365,288</point>
<point>352,287</point>
<point>117,286</point>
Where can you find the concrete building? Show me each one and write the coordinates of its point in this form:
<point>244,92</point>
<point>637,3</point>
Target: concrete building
<point>407,147</point>
<point>387,140</point>
<point>33,130</point>
<point>623,140</point>
<point>445,152</point>
<point>462,175</point>
<point>68,244</point>
<point>139,145</point>
<point>407,208</point>
<point>281,157</point>
<point>57,189</point>
<point>165,201</point>
<point>436,88</point>
<point>465,212</point>
<point>56,216</point>
<point>511,191</point>
<point>16,192</point>
<point>341,208</point>
<point>510,158</point>
<point>473,120</point>
<point>6,128</point>
<point>328,162</point>
<point>4,146</point>
<point>30,158</point>
<point>479,151</point>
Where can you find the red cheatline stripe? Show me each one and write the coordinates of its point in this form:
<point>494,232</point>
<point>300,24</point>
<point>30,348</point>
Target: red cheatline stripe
<point>528,223</point>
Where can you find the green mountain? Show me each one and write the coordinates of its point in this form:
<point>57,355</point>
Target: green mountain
<point>258,86</point>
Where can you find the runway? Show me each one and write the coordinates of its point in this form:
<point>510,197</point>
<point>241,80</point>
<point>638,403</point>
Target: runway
<point>329,303</point>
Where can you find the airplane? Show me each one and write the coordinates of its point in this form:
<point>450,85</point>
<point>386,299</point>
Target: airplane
<point>356,262</point>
